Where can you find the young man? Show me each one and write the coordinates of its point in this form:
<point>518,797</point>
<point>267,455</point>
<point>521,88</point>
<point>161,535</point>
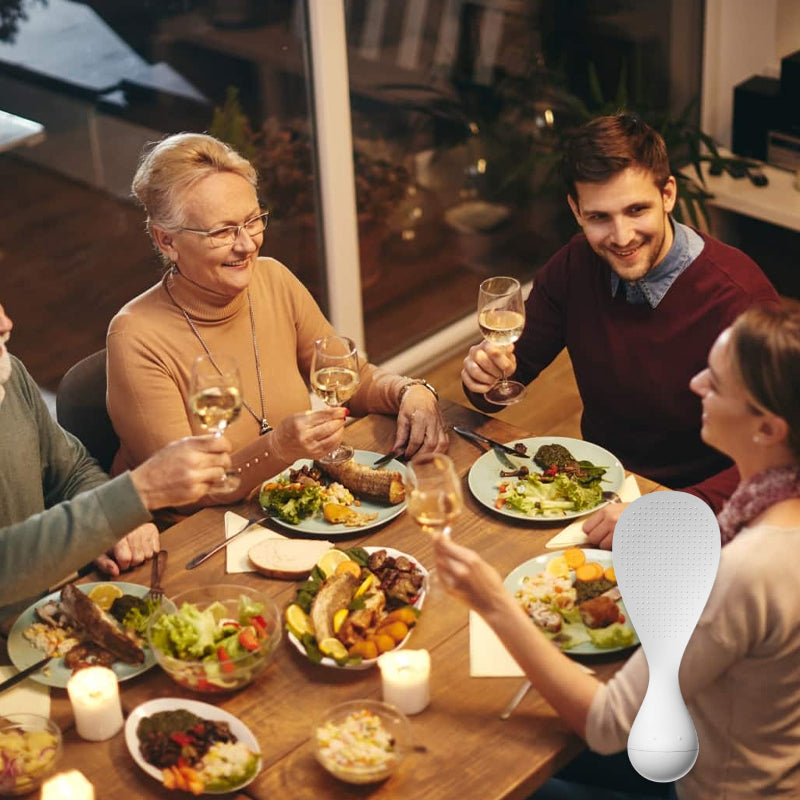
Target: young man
<point>59,510</point>
<point>637,299</point>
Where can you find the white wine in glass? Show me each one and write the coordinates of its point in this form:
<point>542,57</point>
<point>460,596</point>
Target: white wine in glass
<point>334,379</point>
<point>501,318</point>
<point>215,397</point>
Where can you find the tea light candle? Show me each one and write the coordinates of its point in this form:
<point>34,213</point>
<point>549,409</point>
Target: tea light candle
<point>70,785</point>
<point>94,695</point>
<point>405,678</point>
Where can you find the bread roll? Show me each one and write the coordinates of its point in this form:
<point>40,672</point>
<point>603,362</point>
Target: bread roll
<point>287,559</point>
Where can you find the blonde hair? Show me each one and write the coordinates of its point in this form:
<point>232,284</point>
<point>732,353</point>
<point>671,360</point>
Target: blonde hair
<point>173,165</point>
<point>765,353</point>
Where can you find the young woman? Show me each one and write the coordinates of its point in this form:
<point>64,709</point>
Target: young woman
<point>740,675</point>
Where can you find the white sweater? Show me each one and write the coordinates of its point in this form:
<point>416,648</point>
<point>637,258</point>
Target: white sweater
<point>740,677</point>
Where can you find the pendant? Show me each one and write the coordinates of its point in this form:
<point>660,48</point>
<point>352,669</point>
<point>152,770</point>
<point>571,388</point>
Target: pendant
<point>265,427</point>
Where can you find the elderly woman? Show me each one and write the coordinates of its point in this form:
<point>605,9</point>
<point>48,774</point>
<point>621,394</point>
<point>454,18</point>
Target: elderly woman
<point>740,675</point>
<point>218,296</point>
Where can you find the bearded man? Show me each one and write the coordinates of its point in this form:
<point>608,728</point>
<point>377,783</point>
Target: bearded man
<point>637,299</point>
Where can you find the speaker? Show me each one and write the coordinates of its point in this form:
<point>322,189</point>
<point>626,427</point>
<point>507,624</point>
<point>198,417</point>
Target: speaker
<point>790,90</point>
<point>757,108</point>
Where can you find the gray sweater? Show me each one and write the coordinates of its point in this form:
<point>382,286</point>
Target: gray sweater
<point>58,509</point>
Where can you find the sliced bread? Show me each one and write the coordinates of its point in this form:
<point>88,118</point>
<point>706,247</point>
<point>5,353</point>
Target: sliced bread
<point>289,559</point>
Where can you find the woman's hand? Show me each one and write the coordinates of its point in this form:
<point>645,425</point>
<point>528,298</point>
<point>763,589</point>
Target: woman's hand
<point>467,576</point>
<point>600,526</point>
<point>420,427</point>
<point>139,545</point>
<point>309,434</point>
<point>486,364</point>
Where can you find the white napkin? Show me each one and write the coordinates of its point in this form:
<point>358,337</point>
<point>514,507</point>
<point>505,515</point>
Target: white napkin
<point>26,697</point>
<point>237,560</point>
<point>573,535</point>
<point>488,657</point>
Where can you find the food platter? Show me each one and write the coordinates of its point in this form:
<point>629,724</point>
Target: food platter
<point>203,710</point>
<point>367,663</point>
<point>23,653</point>
<point>484,476</point>
<point>317,526</point>
<point>534,566</point>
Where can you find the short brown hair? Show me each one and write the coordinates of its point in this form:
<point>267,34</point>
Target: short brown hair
<point>765,351</point>
<point>175,164</point>
<point>607,145</point>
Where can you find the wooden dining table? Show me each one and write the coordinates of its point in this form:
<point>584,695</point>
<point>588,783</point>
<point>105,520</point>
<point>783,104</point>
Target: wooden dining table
<point>462,747</point>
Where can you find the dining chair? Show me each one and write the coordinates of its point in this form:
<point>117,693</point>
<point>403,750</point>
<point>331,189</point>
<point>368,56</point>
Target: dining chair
<point>81,407</point>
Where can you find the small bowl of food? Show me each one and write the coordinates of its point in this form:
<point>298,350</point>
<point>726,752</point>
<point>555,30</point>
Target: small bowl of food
<point>215,638</point>
<point>361,741</point>
<point>30,748</point>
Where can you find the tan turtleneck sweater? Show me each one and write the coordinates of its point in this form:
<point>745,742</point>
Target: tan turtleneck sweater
<point>151,348</point>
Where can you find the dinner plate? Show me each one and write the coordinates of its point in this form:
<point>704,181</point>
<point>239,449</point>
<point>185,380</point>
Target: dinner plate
<point>536,565</point>
<point>484,476</point>
<point>23,653</point>
<point>367,663</point>
<point>242,733</point>
<point>317,526</point>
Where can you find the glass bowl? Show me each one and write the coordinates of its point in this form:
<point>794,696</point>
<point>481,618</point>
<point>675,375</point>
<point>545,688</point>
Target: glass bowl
<point>252,631</point>
<point>30,748</point>
<point>361,741</point>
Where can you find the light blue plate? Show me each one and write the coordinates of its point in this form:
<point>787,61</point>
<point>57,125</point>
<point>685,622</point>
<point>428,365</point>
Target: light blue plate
<point>318,526</point>
<point>22,652</point>
<point>484,477</point>
<point>536,565</point>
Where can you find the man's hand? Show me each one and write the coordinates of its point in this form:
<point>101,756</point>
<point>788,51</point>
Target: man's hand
<point>486,364</point>
<point>182,472</point>
<point>139,545</point>
<point>600,526</point>
<point>420,427</point>
<point>309,434</point>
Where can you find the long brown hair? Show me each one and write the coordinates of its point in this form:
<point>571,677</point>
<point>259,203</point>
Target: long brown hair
<point>765,351</point>
<point>607,145</point>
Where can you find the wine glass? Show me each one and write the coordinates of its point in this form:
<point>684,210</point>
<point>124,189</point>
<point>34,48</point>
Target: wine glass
<point>334,379</point>
<point>215,397</point>
<point>501,318</point>
<point>433,496</point>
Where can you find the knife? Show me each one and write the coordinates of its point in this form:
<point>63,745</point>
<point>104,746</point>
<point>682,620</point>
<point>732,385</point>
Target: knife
<point>383,460</point>
<point>20,676</point>
<point>479,437</point>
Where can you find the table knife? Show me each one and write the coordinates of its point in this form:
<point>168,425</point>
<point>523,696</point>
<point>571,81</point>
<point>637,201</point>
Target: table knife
<point>479,437</point>
<point>20,676</point>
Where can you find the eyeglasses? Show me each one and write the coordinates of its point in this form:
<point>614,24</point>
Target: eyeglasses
<point>223,237</point>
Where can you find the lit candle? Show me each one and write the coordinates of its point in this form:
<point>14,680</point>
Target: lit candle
<point>70,785</point>
<point>405,677</point>
<point>94,694</point>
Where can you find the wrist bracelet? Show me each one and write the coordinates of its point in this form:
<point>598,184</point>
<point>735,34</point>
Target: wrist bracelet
<point>417,382</point>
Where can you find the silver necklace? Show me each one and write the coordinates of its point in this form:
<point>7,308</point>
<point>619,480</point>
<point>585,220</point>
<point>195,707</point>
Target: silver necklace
<point>265,427</point>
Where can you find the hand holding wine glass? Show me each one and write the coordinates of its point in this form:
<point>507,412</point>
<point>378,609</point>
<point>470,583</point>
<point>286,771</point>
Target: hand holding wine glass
<point>334,379</point>
<point>501,318</point>
<point>215,396</point>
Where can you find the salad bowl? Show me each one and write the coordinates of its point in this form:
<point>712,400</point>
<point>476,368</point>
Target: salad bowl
<point>30,748</point>
<point>216,638</point>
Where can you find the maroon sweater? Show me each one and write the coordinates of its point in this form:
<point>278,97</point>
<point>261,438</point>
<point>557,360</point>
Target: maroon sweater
<point>633,363</point>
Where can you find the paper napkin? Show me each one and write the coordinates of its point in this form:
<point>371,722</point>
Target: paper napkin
<point>488,657</point>
<point>237,560</point>
<point>573,535</point>
<point>26,697</point>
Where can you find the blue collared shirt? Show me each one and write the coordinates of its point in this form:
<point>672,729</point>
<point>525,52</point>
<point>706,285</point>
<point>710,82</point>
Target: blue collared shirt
<point>687,244</point>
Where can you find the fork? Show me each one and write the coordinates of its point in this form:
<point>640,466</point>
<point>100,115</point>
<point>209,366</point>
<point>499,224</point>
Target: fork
<point>156,573</point>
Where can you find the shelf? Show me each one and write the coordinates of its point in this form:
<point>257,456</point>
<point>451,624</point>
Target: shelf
<point>777,203</point>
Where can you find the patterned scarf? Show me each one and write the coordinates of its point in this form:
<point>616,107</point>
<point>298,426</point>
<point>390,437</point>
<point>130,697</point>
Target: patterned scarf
<point>756,495</point>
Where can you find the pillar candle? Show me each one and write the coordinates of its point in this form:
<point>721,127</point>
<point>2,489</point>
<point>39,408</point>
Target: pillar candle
<point>94,694</point>
<point>70,785</point>
<point>405,678</point>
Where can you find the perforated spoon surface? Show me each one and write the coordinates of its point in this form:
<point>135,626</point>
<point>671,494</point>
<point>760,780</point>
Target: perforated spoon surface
<point>666,554</point>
